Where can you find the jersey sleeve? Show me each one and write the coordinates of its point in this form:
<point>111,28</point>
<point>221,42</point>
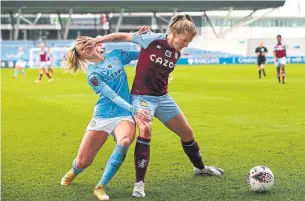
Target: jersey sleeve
<point>100,87</point>
<point>256,50</point>
<point>128,55</point>
<point>145,39</point>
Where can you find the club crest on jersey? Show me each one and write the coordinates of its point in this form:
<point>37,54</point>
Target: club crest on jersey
<point>94,81</point>
<point>116,61</point>
<point>143,103</point>
<point>168,53</point>
<point>109,66</point>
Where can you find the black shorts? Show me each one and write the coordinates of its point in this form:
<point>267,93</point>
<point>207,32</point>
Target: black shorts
<point>261,61</point>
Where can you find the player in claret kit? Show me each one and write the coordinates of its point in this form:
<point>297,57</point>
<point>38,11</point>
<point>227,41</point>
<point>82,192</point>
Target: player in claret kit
<point>43,56</point>
<point>280,61</point>
<point>158,57</point>
<point>113,113</point>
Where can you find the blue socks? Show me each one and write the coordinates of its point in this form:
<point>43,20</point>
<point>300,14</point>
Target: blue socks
<point>114,163</point>
<point>22,71</point>
<point>75,169</point>
<point>15,73</point>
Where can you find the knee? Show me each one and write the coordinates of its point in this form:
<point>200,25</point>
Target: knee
<point>126,140</point>
<point>188,135</point>
<point>145,131</point>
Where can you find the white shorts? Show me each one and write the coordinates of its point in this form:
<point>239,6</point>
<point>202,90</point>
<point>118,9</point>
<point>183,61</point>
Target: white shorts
<point>44,64</point>
<point>281,61</point>
<point>21,64</point>
<point>50,63</point>
<point>107,124</point>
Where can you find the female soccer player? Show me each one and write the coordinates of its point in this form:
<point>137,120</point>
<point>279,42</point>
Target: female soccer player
<point>113,113</point>
<point>280,54</point>
<point>20,63</point>
<point>157,60</point>
<point>43,56</point>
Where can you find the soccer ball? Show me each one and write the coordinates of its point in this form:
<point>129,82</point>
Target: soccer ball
<point>260,179</point>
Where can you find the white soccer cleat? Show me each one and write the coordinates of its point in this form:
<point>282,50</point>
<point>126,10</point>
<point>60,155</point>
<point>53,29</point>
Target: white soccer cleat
<point>138,190</point>
<point>209,171</point>
<point>50,80</point>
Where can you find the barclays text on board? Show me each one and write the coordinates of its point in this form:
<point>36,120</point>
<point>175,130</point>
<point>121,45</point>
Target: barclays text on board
<point>235,60</point>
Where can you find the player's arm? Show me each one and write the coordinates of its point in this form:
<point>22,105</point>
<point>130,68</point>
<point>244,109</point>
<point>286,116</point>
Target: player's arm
<point>129,55</point>
<point>121,37</point>
<point>100,87</point>
<point>274,55</point>
<point>265,51</point>
<point>114,37</point>
<point>257,51</point>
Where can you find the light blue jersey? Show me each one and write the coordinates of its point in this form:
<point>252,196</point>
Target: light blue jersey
<point>145,39</point>
<point>108,79</point>
<point>21,56</point>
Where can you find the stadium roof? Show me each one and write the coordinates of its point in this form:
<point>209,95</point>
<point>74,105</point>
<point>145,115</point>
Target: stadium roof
<point>100,6</point>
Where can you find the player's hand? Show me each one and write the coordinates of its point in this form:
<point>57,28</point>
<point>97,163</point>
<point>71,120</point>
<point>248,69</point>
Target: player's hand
<point>143,116</point>
<point>87,42</point>
<point>143,29</point>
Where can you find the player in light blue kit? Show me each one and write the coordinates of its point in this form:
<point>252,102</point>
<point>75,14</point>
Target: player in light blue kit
<point>113,113</point>
<point>20,63</point>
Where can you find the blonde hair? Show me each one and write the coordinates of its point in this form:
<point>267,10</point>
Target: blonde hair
<point>72,61</point>
<point>183,24</point>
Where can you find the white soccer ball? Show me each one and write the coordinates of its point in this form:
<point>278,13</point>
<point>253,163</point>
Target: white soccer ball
<point>260,179</point>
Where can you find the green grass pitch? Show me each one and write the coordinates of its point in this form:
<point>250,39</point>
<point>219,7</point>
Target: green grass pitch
<point>239,122</point>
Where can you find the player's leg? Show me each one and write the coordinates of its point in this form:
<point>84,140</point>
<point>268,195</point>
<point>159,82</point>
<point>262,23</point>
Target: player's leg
<point>169,113</point>
<point>50,70</point>
<point>16,71</point>
<point>45,70</point>
<point>282,66</point>
<point>278,70</point>
<point>90,145</point>
<point>283,73</point>
<point>21,68</point>
<point>278,73</point>
<point>262,67</point>
<point>41,72</point>
<point>124,135</point>
<point>259,68</point>
<point>95,136</point>
<point>142,149</point>
<point>22,71</point>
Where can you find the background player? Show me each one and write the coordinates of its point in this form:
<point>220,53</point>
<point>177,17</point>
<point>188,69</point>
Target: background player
<point>279,54</point>
<point>261,52</point>
<point>20,63</point>
<point>112,113</point>
<point>43,54</point>
<point>157,60</point>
